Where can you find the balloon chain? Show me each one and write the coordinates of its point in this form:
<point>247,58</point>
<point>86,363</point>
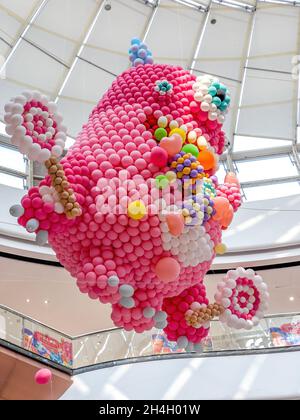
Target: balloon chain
<point>203,314</point>
<point>59,182</point>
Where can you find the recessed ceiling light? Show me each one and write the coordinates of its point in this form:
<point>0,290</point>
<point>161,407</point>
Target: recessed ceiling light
<point>213,21</point>
<point>46,301</point>
<point>107,7</point>
<point>292,298</point>
<point>27,300</point>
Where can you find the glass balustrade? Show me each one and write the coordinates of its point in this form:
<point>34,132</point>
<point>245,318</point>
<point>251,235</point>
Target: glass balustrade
<point>19,331</point>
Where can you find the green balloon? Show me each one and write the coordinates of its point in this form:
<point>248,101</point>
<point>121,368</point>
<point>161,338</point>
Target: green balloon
<point>161,182</point>
<point>216,85</point>
<point>191,148</point>
<point>217,101</point>
<point>160,133</point>
<point>212,91</point>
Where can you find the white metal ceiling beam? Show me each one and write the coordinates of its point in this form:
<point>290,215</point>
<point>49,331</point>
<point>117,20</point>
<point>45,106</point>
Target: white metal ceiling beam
<point>76,56</point>
<point>192,65</point>
<point>33,17</point>
<point>261,153</point>
<point>295,152</point>
<point>272,181</point>
<point>193,4</point>
<point>236,4</point>
<point>297,63</point>
<point>236,112</point>
<point>150,20</point>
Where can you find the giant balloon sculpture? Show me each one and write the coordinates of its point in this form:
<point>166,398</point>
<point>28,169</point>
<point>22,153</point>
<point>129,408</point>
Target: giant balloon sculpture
<point>134,210</point>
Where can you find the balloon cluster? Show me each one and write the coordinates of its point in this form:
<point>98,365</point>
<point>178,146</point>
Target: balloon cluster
<point>115,208</point>
<point>232,193</point>
<point>139,53</point>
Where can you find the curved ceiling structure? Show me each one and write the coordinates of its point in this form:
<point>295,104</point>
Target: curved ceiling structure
<point>72,50</point>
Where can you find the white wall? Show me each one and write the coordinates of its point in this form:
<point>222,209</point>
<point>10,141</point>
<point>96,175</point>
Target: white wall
<point>265,376</point>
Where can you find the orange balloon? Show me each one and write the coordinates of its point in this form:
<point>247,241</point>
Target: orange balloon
<point>207,159</point>
<point>231,178</point>
<point>224,211</point>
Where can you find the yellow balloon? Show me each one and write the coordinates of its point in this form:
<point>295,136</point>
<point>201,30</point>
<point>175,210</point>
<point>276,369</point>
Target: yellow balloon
<point>179,131</point>
<point>136,210</point>
<point>220,249</point>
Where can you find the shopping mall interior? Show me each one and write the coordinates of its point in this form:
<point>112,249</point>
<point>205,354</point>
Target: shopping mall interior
<point>154,253</point>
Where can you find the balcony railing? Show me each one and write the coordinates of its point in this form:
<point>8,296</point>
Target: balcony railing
<point>89,351</point>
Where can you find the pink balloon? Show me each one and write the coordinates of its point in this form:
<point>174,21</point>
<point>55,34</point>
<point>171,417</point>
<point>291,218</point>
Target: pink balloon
<point>159,156</point>
<point>167,269</point>
<point>172,145</point>
<point>43,376</point>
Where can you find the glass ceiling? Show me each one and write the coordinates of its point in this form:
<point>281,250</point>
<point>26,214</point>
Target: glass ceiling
<point>71,50</point>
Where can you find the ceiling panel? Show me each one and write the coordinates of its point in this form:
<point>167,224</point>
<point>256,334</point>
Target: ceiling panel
<point>23,8</point>
<point>68,18</point>
<point>61,48</point>
<point>109,40</point>
<point>30,68</point>
<point>224,43</point>
<point>275,38</point>
<point>174,33</point>
<point>87,82</point>
<point>268,105</point>
<point>9,26</point>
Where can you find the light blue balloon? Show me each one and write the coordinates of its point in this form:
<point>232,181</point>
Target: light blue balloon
<point>182,342</point>
<point>126,290</point>
<point>142,53</point>
<point>113,281</point>
<point>160,316</point>
<point>149,312</point>
<point>138,62</point>
<point>134,48</point>
<point>149,60</point>
<point>32,225</point>
<point>161,325</point>
<point>16,210</point>
<point>41,237</point>
<point>127,302</point>
<point>135,41</point>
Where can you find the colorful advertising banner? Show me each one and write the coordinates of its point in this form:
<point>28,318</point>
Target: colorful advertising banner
<point>48,347</point>
<point>286,335</point>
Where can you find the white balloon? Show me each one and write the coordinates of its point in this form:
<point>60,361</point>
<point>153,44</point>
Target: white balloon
<point>204,106</point>
<point>44,189</point>
<point>8,106</point>
<point>21,99</point>
<point>44,155</point>
<point>17,119</point>
<point>28,95</point>
<point>52,107</point>
<point>9,129</point>
<point>59,208</point>
<point>7,117</point>
<point>17,109</point>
